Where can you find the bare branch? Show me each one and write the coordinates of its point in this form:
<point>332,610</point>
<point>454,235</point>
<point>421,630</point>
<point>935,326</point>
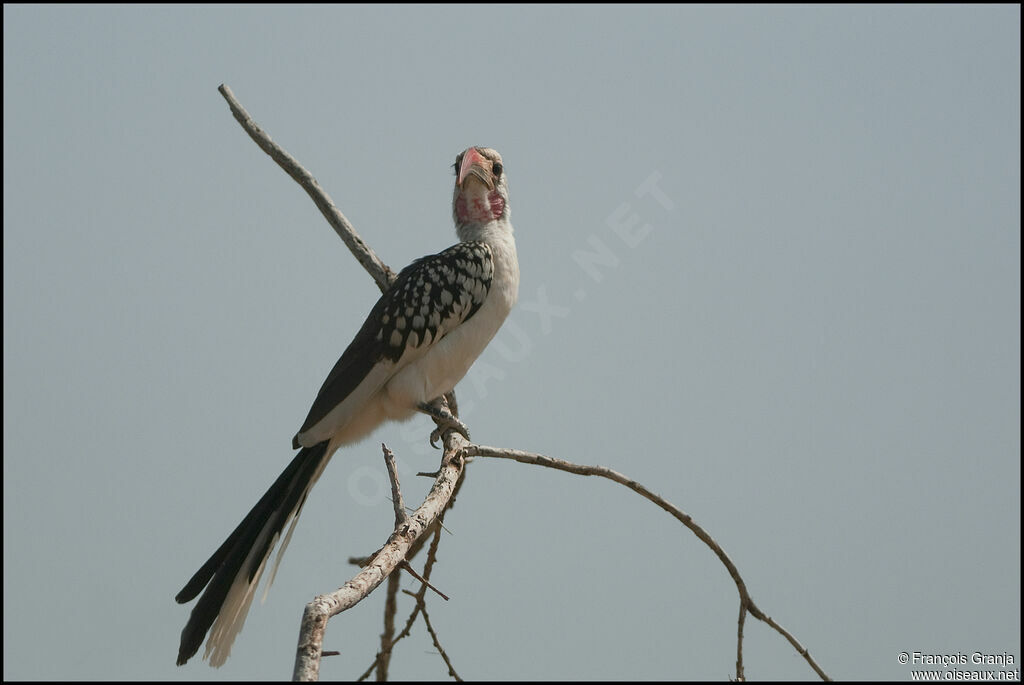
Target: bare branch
<point>324,607</point>
<point>437,641</point>
<point>373,265</point>
<point>800,649</point>
<point>739,642</point>
<point>387,638</point>
<point>746,602</point>
<point>582,470</point>
<point>435,540</point>
<point>396,490</point>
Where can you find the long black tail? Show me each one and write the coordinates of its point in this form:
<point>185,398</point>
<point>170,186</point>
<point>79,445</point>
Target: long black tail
<point>231,575</point>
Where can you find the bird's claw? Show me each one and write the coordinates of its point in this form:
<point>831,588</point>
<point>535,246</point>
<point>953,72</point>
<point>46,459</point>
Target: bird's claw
<point>445,421</point>
<point>450,423</point>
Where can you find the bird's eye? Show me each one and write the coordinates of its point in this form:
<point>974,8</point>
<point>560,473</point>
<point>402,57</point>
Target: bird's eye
<point>496,169</point>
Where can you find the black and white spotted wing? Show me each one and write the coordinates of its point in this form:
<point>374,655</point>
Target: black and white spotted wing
<point>430,298</point>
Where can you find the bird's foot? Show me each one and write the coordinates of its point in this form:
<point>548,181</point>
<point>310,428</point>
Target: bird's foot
<point>446,420</point>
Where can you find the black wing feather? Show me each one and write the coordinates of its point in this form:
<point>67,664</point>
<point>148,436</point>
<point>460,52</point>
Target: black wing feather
<point>427,300</point>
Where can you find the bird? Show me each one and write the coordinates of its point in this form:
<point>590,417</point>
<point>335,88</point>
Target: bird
<point>418,341</point>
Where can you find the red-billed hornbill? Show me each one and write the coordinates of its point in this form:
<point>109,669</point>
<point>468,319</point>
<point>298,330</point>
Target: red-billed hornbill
<point>419,340</point>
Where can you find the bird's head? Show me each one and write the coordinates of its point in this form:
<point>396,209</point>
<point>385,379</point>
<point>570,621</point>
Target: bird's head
<point>481,191</point>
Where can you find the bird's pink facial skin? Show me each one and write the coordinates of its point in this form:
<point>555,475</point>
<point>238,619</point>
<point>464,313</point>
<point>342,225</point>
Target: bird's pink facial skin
<point>479,208</point>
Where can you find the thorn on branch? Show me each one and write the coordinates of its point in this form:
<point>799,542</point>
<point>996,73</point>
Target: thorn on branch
<point>408,567</point>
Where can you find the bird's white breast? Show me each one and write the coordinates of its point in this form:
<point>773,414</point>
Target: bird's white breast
<point>448,360</point>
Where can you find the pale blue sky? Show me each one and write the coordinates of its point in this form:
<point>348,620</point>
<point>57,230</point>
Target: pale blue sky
<point>814,348</point>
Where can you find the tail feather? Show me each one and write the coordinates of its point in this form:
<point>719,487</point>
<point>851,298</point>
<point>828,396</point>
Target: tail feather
<point>231,574</point>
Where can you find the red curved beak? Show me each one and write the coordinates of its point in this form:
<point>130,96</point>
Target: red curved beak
<point>475,165</point>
